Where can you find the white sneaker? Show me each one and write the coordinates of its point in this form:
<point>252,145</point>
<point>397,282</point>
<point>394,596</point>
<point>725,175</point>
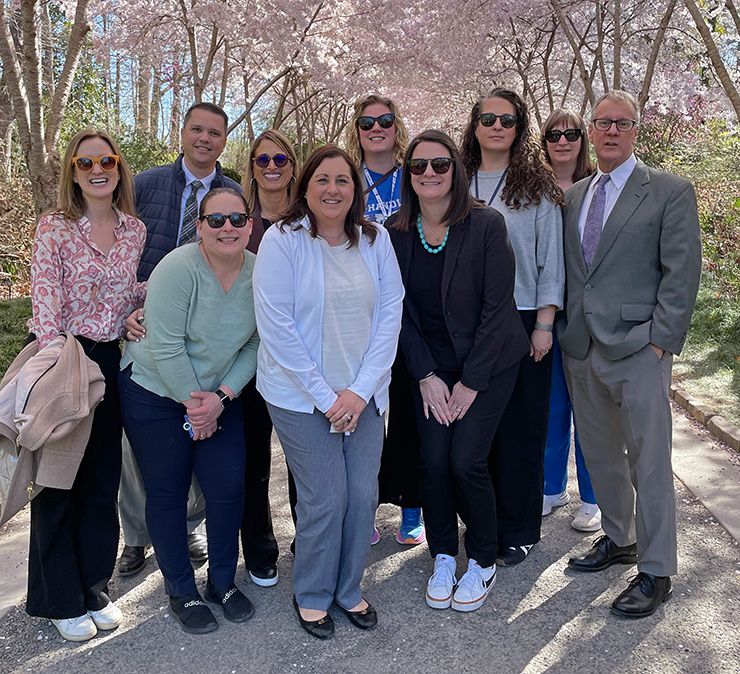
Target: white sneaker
<point>554,501</point>
<point>474,587</point>
<point>588,518</point>
<point>107,618</point>
<point>76,629</point>
<point>442,583</point>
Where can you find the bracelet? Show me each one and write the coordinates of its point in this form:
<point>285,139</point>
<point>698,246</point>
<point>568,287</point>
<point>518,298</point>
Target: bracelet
<point>547,327</point>
<point>429,376</point>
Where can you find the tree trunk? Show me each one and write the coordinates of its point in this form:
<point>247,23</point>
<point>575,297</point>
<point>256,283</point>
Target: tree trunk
<point>644,95</point>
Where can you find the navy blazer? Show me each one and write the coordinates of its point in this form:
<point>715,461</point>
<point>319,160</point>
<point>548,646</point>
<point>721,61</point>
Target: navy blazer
<point>477,299</point>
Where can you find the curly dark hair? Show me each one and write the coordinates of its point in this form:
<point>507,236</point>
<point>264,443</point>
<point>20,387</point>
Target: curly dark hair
<point>529,178</point>
<point>298,208</point>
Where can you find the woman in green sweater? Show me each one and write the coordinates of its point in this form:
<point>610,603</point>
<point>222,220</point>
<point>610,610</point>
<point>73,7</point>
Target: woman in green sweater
<point>177,388</point>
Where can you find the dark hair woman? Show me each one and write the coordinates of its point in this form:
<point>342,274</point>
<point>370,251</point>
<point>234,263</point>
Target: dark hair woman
<point>506,169</point>
<point>83,282</point>
<point>328,297</point>
<point>566,146</point>
<point>463,340</point>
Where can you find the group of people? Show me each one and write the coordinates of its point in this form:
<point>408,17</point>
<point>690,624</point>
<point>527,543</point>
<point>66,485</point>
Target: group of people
<point>416,279</point>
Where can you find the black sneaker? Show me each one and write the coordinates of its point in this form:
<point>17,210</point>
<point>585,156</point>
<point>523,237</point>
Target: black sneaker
<point>193,614</point>
<point>513,556</point>
<point>235,604</point>
<point>264,576</point>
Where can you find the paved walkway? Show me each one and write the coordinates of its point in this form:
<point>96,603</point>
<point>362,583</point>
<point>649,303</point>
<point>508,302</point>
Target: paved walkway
<point>540,618</point>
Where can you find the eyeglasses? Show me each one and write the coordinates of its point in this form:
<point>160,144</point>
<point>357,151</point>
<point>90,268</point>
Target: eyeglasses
<point>218,220</point>
<point>439,165</point>
<point>603,124</point>
<point>263,160</point>
<point>385,121</point>
<point>571,135</point>
<point>85,163</point>
<point>489,119</point>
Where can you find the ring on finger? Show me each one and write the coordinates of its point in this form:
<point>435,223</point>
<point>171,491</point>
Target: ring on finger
<point>432,407</point>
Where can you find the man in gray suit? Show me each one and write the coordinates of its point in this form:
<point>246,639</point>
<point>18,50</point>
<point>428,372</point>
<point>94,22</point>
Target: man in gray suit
<point>633,261</point>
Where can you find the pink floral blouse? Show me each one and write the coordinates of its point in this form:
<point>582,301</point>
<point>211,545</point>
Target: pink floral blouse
<point>78,289</point>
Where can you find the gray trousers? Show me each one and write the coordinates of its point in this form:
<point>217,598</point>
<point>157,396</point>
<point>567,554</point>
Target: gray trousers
<point>336,479</point>
<point>132,502</point>
<point>623,405</point>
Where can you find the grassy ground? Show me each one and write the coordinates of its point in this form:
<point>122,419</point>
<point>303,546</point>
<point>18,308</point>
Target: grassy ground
<point>708,368</point>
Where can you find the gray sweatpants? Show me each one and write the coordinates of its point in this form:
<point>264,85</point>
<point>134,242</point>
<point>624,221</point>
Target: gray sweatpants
<point>336,478</point>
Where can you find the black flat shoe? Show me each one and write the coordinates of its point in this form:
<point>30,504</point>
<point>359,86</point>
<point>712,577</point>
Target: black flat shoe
<point>644,594</point>
<point>132,560</point>
<point>323,628</point>
<point>266,576</point>
<point>193,614</point>
<point>197,548</point>
<point>365,619</point>
<point>235,604</point>
<point>603,553</point>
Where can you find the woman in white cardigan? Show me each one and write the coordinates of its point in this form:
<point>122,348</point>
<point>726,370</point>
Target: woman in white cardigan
<point>328,297</point>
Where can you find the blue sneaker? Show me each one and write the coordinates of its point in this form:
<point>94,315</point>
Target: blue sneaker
<point>411,531</point>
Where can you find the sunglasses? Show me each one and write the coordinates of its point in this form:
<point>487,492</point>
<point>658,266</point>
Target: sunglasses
<point>263,160</point>
<point>439,165</point>
<point>85,163</point>
<point>489,119</point>
<point>385,121</point>
<point>218,220</point>
<point>571,135</point>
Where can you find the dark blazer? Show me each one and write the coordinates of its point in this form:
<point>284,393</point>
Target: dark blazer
<point>158,204</point>
<point>642,283</point>
<point>477,300</point>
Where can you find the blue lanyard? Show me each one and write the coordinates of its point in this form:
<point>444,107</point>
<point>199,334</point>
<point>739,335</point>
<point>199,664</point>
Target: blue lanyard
<point>498,187</point>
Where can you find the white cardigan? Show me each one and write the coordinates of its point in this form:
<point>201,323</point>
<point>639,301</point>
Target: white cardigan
<point>289,304</point>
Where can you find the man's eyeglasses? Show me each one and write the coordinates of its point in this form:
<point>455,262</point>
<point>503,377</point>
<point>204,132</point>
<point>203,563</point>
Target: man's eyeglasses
<point>385,121</point>
<point>571,135</point>
<point>603,124</point>
<point>218,220</point>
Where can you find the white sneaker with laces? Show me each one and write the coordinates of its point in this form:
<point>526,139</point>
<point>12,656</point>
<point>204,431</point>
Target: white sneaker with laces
<point>80,628</point>
<point>107,618</point>
<point>442,582</point>
<point>588,518</point>
<point>551,501</point>
<point>474,587</point>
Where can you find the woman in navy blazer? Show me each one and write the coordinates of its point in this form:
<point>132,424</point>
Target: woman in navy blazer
<point>463,340</point>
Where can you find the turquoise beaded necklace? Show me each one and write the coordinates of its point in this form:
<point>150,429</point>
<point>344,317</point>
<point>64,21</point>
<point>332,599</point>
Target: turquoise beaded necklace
<point>424,243</point>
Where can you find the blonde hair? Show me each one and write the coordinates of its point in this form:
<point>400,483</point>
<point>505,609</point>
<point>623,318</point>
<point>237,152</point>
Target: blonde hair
<point>70,200</point>
<point>352,143</point>
<point>249,184</point>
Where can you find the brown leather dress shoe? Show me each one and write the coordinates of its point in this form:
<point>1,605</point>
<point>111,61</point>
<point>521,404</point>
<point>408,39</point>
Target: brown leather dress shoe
<point>644,594</point>
<point>603,553</point>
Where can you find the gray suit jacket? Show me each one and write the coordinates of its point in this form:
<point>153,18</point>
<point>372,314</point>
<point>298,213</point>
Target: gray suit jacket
<point>642,284</point>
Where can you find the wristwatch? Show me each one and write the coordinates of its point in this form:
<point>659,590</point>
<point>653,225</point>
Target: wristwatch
<point>223,397</point>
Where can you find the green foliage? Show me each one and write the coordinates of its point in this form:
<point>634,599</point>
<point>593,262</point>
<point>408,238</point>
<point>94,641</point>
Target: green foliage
<point>232,173</point>
<point>13,331</point>
<point>142,150</point>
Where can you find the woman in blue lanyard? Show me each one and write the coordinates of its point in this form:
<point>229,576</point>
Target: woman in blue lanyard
<point>376,142</point>
<point>506,169</point>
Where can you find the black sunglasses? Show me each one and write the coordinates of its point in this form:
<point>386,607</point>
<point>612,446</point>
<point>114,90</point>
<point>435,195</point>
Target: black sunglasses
<point>439,165</point>
<point>218,220</point>
<point>385,121</point>
<point>263,160</point>
<point>489,119</point>
<point>571,135</point>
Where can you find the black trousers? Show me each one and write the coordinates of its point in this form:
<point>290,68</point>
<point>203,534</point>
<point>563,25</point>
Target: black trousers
<point>258,540</point>
<point>399,479</point>
<point>517,460</point>
<point>454,471</point>
<point>74,533</point>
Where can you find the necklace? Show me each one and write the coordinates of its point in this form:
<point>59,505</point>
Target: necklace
<point>424,243</point>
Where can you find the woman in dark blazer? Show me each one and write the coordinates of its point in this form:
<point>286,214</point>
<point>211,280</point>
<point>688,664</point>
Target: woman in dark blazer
<point>463,341</point>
